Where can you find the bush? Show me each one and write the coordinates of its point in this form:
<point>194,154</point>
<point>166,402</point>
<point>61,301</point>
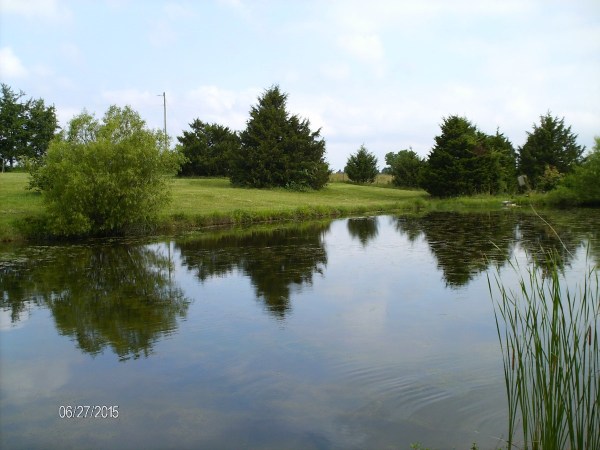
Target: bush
<point>104,178</point>
<point>580,187</point>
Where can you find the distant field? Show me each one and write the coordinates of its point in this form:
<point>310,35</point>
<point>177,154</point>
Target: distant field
<point>208,201</point>
<point>381,179</point>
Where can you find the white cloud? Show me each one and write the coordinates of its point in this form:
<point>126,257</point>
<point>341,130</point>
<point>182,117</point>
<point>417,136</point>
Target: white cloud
<point>46,9</point>
<point>135,98</point>
<point>213,98</point>
<point>335,71</point>
<point>365,47</point>
<point>214,104</point>
<point>10,65</point>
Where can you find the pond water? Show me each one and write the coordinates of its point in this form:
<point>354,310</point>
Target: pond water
<point>373,332</point>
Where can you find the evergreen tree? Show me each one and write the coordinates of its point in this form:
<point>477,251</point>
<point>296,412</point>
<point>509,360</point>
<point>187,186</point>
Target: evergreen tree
<point>494,168</point>
<point>361,166</point>
<point>278,149</point>
<point>550,144</point>
<point>465,161</point>
<point>208,149</point>
<point>446,173</point>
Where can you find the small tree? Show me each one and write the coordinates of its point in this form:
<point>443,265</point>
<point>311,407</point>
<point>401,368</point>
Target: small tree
<point>361,166</point>
<point>405,168</point>
<point>104,177</point>
<point>278,149</point>
<point>208,149</point>
<point>550,144</point>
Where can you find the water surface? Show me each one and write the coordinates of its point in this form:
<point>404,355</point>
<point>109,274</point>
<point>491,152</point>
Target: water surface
<point>372,332</point>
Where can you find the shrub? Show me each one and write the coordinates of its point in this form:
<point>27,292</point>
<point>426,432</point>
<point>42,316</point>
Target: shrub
<point>104,178</point>
<point>580,187</point>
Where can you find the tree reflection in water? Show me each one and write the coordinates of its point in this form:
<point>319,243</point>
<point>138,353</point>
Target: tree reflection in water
<point>114,296</point>
<point>364,229</point>
<point>466,244</point>
<point>275,260</point>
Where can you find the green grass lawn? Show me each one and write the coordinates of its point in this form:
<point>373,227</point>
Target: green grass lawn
<point>216,195</point>
<point>16,203</point>
<point>208,201</point>
<point>200,202</point>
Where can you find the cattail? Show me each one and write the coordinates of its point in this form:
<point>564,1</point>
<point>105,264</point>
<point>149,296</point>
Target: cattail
<point>513,357</point>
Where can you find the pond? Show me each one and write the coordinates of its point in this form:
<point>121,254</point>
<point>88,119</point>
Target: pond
<point>372,332</point>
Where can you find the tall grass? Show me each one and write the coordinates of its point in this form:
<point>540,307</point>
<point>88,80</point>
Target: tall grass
<point>548,334</point>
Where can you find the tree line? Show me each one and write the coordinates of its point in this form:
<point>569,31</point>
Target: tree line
<point>107,176</point>
<point>467,161</point>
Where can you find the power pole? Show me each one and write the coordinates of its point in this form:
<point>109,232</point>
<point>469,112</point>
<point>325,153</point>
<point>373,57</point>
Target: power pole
<point>164,96</point>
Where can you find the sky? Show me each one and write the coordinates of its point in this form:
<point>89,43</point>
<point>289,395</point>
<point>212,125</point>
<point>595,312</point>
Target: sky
<point>383,73</point>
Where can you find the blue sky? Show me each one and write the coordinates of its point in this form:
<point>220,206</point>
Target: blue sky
<point>379,72</point>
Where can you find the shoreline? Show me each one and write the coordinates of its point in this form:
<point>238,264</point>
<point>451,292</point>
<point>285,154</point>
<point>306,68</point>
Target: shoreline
<point>204,203</point>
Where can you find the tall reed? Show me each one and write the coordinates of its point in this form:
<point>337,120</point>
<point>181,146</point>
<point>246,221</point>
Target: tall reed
<point>548,335</point>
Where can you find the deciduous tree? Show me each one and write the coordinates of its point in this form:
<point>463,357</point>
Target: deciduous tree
<point>105,177</point>
<point>26,127</point>
<point>405,168</point>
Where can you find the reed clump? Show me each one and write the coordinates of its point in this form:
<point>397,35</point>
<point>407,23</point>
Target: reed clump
<point>548,334</point>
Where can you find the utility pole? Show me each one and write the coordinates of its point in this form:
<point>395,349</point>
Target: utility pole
<point>164,96</point>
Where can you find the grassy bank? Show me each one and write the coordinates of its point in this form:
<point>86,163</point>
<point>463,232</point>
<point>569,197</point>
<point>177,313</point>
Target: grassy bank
<point>203,202</point>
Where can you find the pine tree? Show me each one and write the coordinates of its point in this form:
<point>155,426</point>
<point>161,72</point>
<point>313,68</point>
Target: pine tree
<point>361,166</point>
<point>278,149</point>
<point>465,161</point>
<point>208,149</point>
<point>446,173</point>
<point>551,144</point>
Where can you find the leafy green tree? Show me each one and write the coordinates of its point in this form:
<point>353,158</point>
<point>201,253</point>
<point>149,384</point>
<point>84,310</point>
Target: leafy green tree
<point>208,149</point>
<point>494,165</point>
<point>465,161</point>
<point>278,149</point>
<point>550,144</point>
<point>105,177</point>
<point>581,186</point>
<point>405,168</point>
<point>26,127</point>
<point>361,166</point>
